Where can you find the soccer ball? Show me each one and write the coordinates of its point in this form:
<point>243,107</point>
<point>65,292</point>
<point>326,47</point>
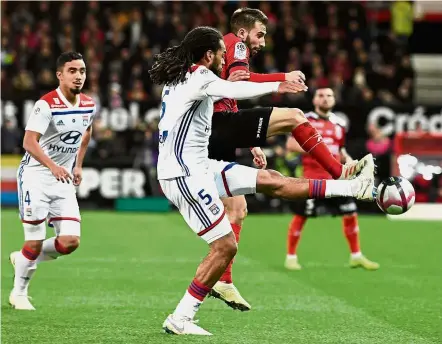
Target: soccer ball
<point>395,195</point>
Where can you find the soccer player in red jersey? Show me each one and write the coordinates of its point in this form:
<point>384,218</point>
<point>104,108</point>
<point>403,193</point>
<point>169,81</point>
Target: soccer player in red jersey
<point>233,128</point>
<point>332,129</point>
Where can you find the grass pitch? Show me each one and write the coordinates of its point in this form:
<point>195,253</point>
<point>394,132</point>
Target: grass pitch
<point>132,269</point>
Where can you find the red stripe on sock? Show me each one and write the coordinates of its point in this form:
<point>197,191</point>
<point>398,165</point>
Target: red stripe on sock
<point>316,188</point>
<point>29,253</point>
<point>198,290</point>
<point>60,248</point>
<point>311,141</point>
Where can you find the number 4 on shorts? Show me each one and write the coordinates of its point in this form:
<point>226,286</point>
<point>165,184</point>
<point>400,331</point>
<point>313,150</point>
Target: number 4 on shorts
<point>27,198</point>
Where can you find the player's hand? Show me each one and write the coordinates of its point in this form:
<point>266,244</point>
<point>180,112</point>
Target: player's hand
<point>259,158</point>
<point>291,87</point>
<point>61,174</point>
<point>239,75</point>
<point>295,76</point>
<point>78,175</point>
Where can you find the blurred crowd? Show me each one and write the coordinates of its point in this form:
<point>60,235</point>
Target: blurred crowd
<point>330,42</point>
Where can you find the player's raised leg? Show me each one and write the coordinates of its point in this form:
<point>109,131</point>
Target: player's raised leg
<point>285,120</point>
<point>351,233</point>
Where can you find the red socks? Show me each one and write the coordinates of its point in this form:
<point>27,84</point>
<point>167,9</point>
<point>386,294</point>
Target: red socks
<point>62,249</point>
<point>29,253</point>
<point>227,275</point>
<point>316,188</point>
<point>294,233</point>
<point>351,232</point>
<point>198,290</point>
<point>310,141</point>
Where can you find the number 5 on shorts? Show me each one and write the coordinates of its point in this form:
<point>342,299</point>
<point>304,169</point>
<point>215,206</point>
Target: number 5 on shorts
<point>27,198</point>
<point>205,197</point>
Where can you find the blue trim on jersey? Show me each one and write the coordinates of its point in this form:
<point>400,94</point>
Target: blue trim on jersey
<point>26,159</point>
<point>182,133</point>
<point>73,112</point>
<point>197,208</point>
<point>229,166</point>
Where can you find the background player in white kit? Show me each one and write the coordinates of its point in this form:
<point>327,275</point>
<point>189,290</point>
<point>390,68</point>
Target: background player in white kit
<point>56,139</point>
<point>194,183</point>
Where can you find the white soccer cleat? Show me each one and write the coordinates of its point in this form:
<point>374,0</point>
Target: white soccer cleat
<point>20,302</point>
<point>291,263</point>
<point>353,168</point>
<point>228,293</point>
<point>183,326</point>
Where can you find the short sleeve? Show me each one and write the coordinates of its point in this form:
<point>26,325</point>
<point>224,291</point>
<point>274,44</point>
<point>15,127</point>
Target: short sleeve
<point>40,117</point>
<point>237,57</point>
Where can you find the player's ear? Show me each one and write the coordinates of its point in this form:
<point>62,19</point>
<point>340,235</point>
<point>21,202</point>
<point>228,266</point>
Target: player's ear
<point>242,33</point>
<point>58,74</point>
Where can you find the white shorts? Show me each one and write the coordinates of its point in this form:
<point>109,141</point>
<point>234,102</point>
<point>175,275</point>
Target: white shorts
<point>41,197</point>
<point>197,197</point>
<point>232,179</point>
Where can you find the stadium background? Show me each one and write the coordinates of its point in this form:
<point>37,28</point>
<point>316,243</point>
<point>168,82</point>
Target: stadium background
<point>368,53</point>
<point>384,62</point>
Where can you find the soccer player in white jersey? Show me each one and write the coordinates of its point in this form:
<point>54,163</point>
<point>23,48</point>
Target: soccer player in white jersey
<point>56,139</point>
<point>193,183</point>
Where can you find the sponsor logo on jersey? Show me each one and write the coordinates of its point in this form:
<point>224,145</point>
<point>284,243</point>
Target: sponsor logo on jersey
<point>214,209</point>
<point>54,106</point>
<point>85,120</point>
<point>240,51</point>
<point>203,71</point>
<point>60,122</point>
<point>71,137</point>
<point>37,111</point>
<point>87,102</point>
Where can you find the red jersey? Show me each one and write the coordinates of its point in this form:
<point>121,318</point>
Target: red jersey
<point>237,58</point>
<point>332,131</point>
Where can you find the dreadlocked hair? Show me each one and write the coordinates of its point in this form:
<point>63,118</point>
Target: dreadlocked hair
<point>170,67</point>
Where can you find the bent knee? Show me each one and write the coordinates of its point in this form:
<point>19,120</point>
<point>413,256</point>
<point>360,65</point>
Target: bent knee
<point>236,209</point>
<point>294,117</point>
<point>69,243</point>
<point>225,247</point>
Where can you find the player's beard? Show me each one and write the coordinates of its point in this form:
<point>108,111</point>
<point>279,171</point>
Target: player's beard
<point>324,110</point>
<point>75,90</point>
<point>253,51</point>
<point>216,68</point>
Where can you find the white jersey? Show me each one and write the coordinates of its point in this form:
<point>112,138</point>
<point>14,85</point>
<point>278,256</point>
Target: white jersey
<point>186,119</point>
<point>61,125</point>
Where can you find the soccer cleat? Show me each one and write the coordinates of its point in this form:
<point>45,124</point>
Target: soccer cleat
<point>353,168</point>
<point>183,326</point>
<point>228,293</point>
<point>362,262</point>
<point>363,185</point>
<point>291,263</point>
<point>20,302</point>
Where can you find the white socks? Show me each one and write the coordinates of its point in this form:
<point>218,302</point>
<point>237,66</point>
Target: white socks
<point>24,269</point>
<point>48,251</point>
<point>338,188</point>
<point>187,307</point>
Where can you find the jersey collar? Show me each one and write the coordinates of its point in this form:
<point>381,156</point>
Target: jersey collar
<point>194,67</point>
<point>65,101</point>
